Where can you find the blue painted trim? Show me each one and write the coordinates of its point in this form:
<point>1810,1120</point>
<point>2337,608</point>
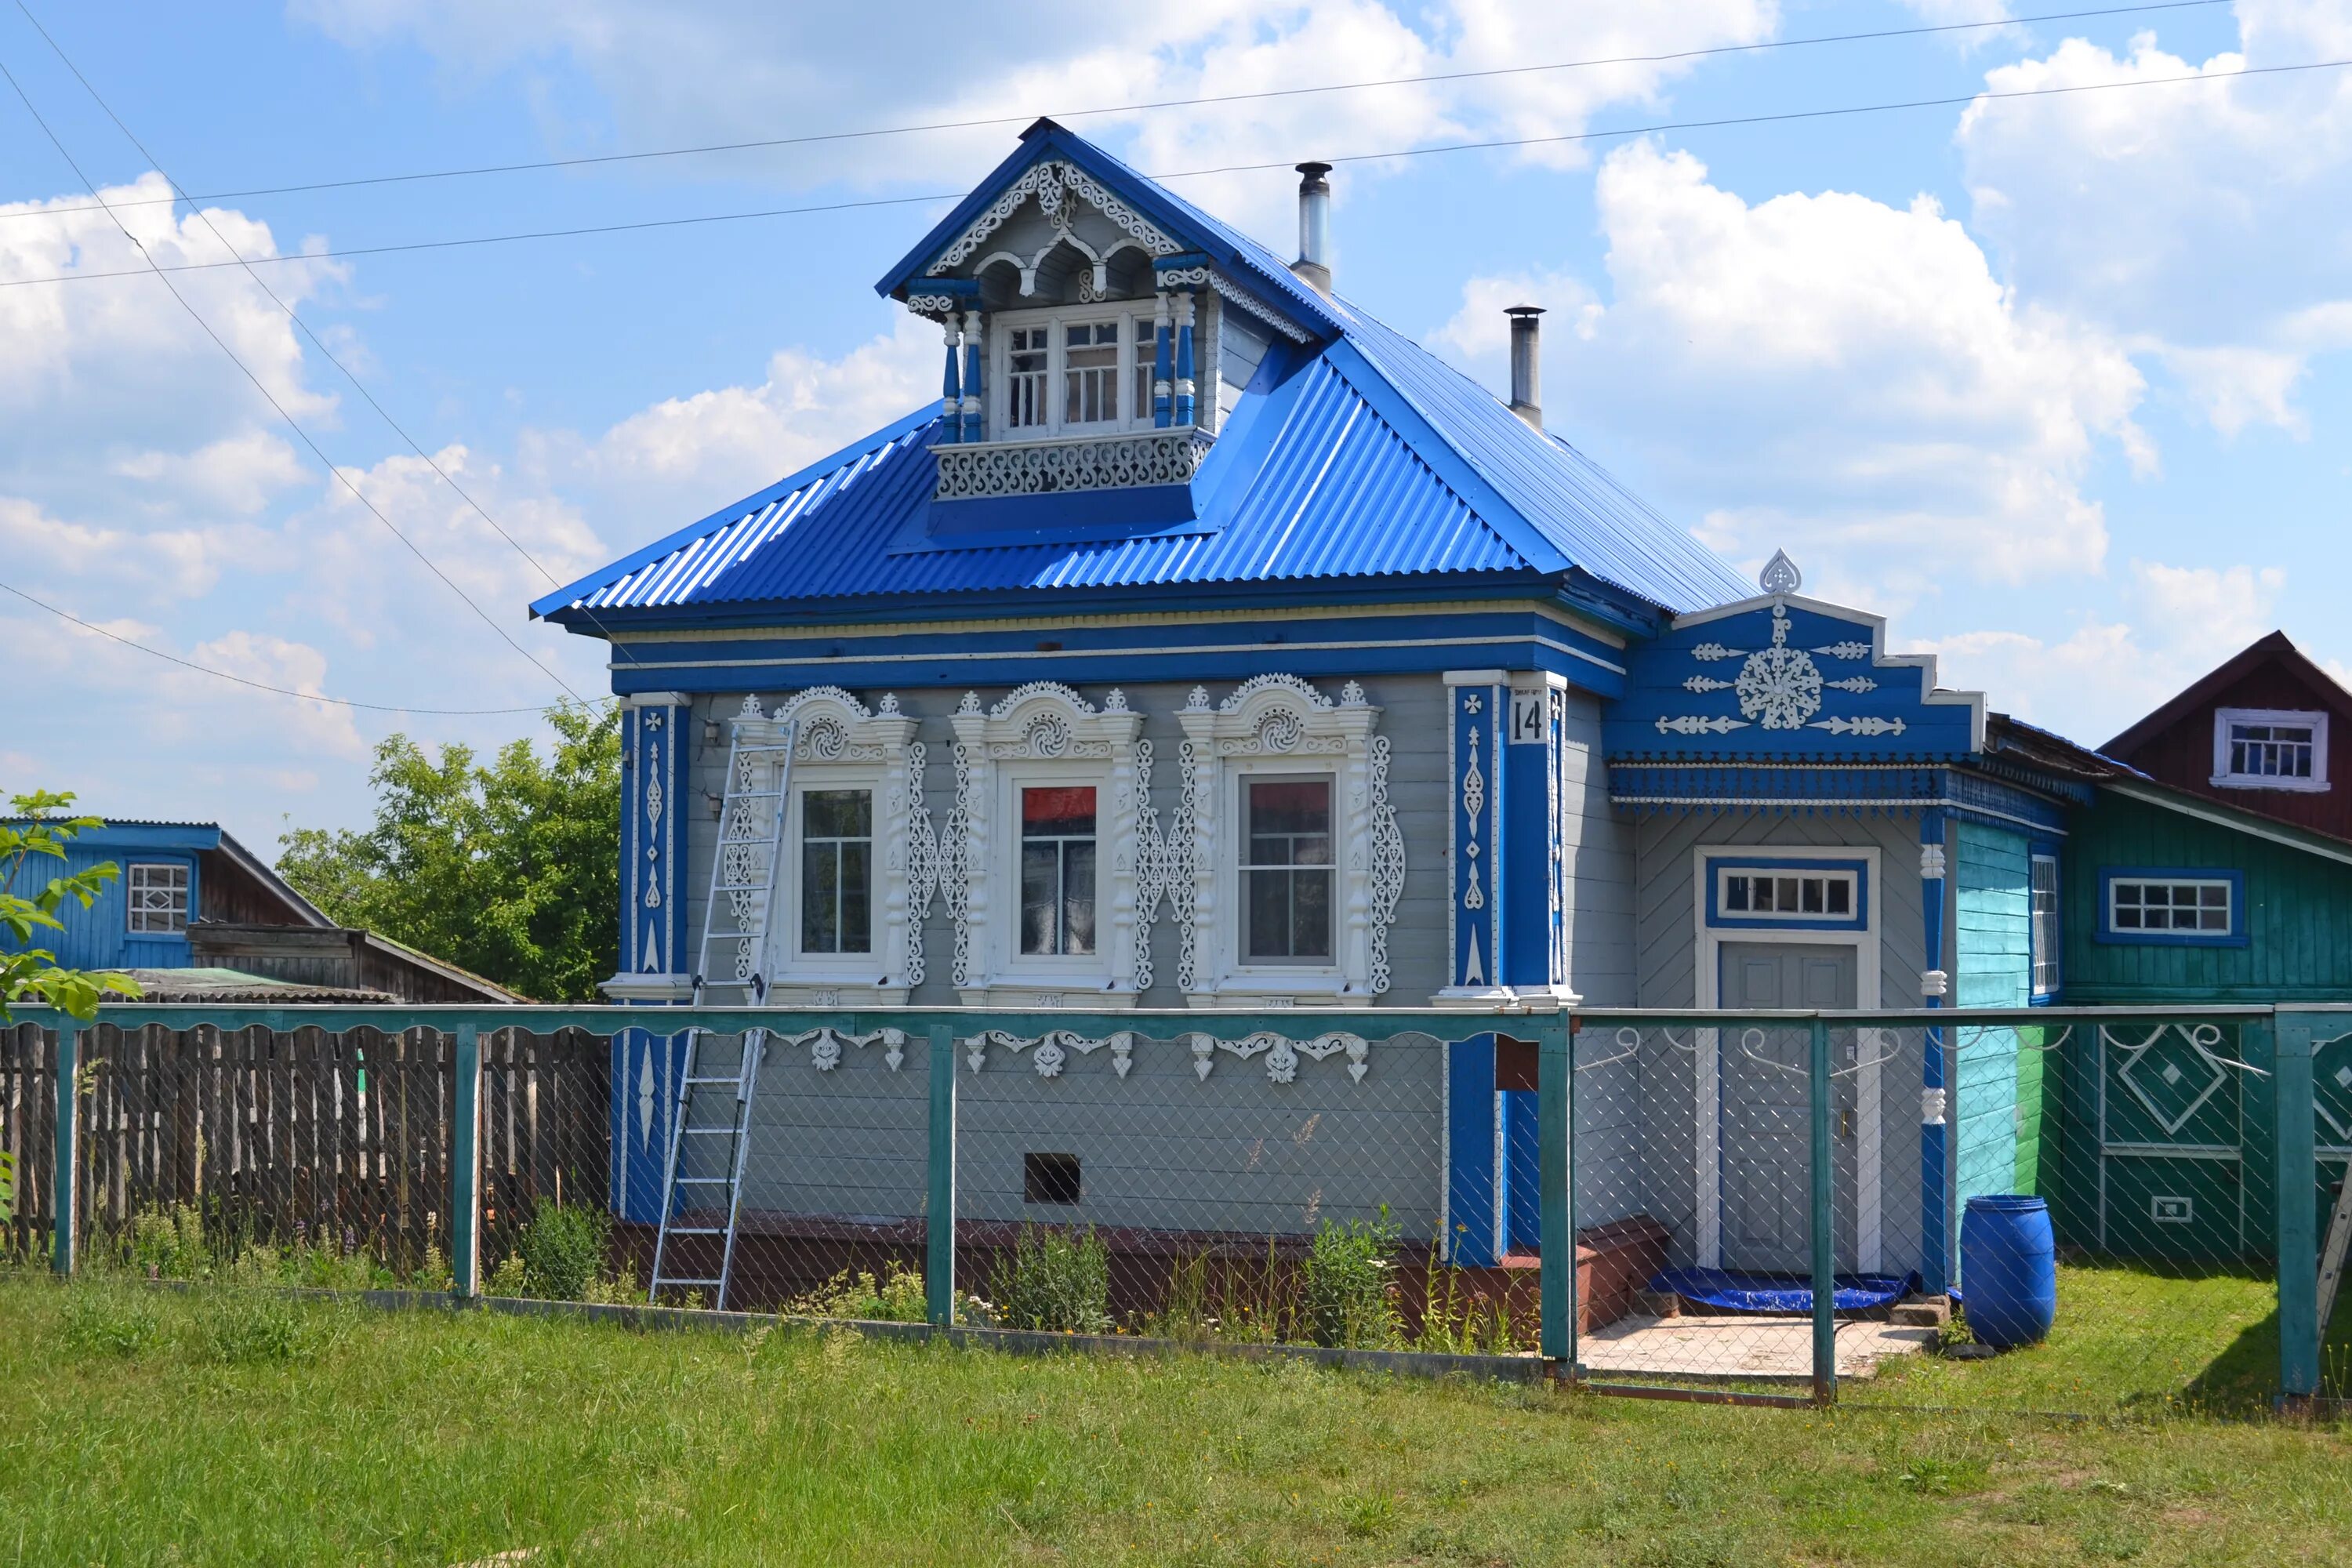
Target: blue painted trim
<point>1522,1157</point>
<point>1474,805</point>
<point>1718,921</point>
<point>161,837</point>
<point>2108,934</point>
<point>1475,1221</point>
<point>1527,855</point>
<point>606,577</point>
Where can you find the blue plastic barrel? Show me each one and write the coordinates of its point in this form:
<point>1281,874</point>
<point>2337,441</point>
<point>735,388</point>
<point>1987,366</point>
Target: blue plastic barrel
<point>2009,1269</point>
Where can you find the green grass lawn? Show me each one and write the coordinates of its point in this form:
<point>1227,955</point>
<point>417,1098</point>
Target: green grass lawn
<point>143,1428</point>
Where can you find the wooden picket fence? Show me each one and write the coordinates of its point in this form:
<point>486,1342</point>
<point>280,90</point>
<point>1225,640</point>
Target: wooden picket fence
<point>303,1135</point>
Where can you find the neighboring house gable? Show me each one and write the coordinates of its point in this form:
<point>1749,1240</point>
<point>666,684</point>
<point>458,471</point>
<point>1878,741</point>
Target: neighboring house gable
<point>2268,733</point>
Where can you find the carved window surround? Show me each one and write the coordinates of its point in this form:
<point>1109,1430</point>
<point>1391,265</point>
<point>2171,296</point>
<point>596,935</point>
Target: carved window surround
<point>1044,734</point>
<point>1279,724</point>
<point>1170,457</point>
<point>844,744</point>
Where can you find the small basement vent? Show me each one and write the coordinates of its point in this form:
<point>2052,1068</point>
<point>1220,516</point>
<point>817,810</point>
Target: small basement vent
<point>1049,1178</point>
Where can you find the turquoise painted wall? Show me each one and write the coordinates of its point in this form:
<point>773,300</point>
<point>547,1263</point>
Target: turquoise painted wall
<point>1993,957</point>
<point>2298,914</point>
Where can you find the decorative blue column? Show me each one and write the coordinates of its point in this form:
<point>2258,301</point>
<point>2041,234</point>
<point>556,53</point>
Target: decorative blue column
<point>972,404</point>
<point>658,746</point>
<point>1935,1175</point>
<point>1479,699</point>
<point>1183,388</point>
<point>1162,349</point>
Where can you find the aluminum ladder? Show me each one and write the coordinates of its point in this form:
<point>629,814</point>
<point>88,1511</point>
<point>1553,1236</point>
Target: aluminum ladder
<point>743,867</point>
<point>676,1183</point>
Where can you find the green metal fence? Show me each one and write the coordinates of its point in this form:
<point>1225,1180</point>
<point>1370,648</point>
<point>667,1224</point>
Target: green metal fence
<point>1817,1153</point>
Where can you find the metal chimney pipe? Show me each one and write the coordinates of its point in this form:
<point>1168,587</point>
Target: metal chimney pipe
<point>1527,364</point>
<point>1314,263</point>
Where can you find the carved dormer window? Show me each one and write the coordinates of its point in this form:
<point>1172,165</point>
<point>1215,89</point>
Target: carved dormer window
<point>1076,371</point>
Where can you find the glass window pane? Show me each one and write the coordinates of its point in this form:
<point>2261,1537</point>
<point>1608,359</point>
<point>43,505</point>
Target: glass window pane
<point>1311,914</point>
<point>1813,890</point>
<point>1841,894</point>
<point>1735,892</point>
<point>1058,811</point>
<point>837,814</point>
<point>2213,920</point>
<point>819,892</point>
<point>1039,894</point>
<point>2126,917</point>
<point>1269,914</point>
<point>1290,806</point>
<point>2213,898</point>
<point>856,886</point>
<point>1079,897</point>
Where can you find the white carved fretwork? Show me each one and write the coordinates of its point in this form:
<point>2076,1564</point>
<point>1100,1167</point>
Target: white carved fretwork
<point>1047,182</point>
<point>841,745</point>
<point>826,1046</point>
<point>1473,811</point>
<point>1779,687</point>
<point>1076,463</point>
<point>1050,1053</point>
<point>928,860</point>
<point>1280,723</point>
<point>1282,1053</point>
<point>1044,734</point>
<point>1779,574</point>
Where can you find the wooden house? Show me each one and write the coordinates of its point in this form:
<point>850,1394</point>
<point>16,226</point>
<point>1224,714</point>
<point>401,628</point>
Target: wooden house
<point>1209,645</point>
<point>199,915</point>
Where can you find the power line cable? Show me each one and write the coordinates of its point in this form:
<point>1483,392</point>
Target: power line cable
<point>293,316</point>
<point>764,143</point>
<point>262,387</point>
<point>257,685</point>
<point>1782,117</point>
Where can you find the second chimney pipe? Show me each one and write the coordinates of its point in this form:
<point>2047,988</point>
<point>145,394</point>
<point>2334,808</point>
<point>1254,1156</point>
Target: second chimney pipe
<point>1314,263</point>
<point>1527,364</point>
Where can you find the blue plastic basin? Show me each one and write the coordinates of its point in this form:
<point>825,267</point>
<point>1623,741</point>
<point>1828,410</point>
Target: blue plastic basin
<point>2009,1268</point>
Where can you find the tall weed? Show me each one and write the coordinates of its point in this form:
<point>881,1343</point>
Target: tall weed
<point>1056,1280</point>
<point>1348,1284</point>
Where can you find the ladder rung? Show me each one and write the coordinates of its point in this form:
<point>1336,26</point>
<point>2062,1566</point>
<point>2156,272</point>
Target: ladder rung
<point>740,888</point>
<point>728,1077</point>
<point>758,794</point>
<point>702,1181</point>
<point>705,1131</point>
<point>674,1280</point>
<point>698,1230</point>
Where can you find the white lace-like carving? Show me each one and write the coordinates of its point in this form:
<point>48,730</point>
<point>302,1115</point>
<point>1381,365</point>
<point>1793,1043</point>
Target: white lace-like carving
<point>1045,182</point>
<point>1083,463</point>
<point>1183,848</point>
<point>955,860</point>
<point>1387,864</point>
<point>925,866</point>
<point>1282,1053</point>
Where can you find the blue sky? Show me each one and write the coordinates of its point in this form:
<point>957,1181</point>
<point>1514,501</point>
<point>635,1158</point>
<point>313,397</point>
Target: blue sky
<point>2058,383</point>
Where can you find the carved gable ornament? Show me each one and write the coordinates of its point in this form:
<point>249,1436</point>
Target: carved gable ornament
<point>1779,675</point>
<point>1053,184</point>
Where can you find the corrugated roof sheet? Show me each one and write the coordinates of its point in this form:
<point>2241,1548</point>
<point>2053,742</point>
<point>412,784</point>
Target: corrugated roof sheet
<point>1386,462</point>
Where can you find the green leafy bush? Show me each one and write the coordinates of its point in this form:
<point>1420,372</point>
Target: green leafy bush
<point>170,1243</point>
<point>896,1297</point>
<point>1347,1287</point>
<point>1057,1280</point>
<point>563,1251</point>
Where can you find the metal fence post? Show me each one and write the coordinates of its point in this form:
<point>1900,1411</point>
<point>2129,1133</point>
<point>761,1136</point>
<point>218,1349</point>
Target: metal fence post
<point>940,1229</point>
<point>1821,1227</point>
<point>1556,1088</point>
<point>466,1166</point>
<point>2297,1207</point>
<point>63,1188</point>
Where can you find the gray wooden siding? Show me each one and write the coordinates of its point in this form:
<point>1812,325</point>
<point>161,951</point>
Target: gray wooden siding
<point>1414,717</point>
<point>1596,858</point>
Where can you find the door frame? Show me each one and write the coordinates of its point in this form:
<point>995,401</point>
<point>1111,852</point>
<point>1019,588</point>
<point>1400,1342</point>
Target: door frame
<point>1869,1130</point>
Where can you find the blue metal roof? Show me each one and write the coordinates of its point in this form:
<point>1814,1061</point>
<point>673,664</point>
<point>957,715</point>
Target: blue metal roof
<point>1363,456</point>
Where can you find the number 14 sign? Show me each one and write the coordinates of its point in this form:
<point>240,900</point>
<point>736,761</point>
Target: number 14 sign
<point>1526,717</point>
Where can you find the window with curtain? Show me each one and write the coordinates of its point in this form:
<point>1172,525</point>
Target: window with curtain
<point>1287,870</point>
<point>1057,870</point>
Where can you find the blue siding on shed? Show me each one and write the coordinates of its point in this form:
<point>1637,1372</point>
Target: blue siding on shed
<point>1992,940</point>
<point>100,937</point>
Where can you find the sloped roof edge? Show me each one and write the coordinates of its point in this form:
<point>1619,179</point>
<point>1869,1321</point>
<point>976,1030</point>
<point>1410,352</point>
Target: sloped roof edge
<point>2272,646</point>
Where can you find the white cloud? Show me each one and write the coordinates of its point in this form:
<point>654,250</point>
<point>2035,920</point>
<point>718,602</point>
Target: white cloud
<point>1833,375</point>
<point>813,69</point>
<point>2104,675</point>
<point>238,473</point>
<point>2209,221</point>
<point>173,561</point>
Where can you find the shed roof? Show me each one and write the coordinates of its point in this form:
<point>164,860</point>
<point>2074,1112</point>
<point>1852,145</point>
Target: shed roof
<point>1370,459</point>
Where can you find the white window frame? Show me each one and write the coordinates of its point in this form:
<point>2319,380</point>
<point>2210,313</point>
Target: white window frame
<point>1044,734</point>
<point>1139,340</point>
<point>844,744</point>
<point>2044,948</point>
<point>182,881</point>
<point>2230,910</point>
<point>2226,719</point>
<point>1280,724</point>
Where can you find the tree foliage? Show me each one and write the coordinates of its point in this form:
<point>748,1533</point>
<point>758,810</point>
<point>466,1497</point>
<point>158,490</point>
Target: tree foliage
<point>30,973</point>
<point>509,868</point>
